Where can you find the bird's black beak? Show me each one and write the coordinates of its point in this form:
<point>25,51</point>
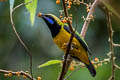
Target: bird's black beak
<point>46,18</point>
<point>41,15</point>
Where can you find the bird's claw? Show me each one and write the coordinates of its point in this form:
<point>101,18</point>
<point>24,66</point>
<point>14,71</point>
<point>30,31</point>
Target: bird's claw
<point>73,45</point>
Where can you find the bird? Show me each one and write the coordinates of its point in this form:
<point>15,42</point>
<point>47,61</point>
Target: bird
<point>61,33</point>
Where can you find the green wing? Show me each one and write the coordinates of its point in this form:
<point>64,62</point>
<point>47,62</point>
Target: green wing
<point>79,38</point>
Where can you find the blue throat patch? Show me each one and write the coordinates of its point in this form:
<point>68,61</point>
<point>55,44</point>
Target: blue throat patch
<point>49,20</point>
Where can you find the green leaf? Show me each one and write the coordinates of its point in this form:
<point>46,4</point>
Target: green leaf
<point>51,62</point>
<point>32,9</point>
<point>110,8</point>
<point>11,4</point>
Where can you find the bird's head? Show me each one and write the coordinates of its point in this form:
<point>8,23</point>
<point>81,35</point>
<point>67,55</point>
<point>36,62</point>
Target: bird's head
<point>51,20</point>
<point>53,23</point>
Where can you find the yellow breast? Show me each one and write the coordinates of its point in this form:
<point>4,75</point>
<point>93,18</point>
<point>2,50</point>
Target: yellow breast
<point>63,38</point>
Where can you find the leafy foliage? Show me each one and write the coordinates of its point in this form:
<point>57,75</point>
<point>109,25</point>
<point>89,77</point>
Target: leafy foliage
<point>32,9</point>
<point>51,62</point>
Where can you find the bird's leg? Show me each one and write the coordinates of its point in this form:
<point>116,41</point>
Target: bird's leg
<point>68,59</point>
<point>73,45</point>
<point>64,45</point>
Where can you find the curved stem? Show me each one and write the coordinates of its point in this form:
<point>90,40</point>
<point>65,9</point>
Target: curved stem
<point>88,19</point>
<point>16,33</point>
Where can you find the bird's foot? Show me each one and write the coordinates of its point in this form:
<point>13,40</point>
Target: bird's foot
<point>73,45</point>
<point>64,45</point>
<point>68,59</point>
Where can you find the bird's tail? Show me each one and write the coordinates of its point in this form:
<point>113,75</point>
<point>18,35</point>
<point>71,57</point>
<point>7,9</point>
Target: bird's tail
<point>91,69</point>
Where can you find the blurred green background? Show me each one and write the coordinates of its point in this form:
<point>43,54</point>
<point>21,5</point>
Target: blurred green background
<point>38,39</point>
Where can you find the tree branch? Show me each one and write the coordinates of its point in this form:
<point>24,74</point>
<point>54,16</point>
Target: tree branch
<point>83,32</point>
<point>88,19</point>
<point>116,45</point>
<point>112,45</point>
<point>110,31</point>
<point>67,57</point>
<point>116,66</point>
<point>66,14</point>
<point>18,73</point>
<point>17,35</point>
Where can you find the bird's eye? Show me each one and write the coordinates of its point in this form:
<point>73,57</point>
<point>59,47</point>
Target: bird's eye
<point>49,20</point>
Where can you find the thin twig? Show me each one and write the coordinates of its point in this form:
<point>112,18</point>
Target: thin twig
<point>116,45</point>
<point>72,72</point>
<point>16,33</point>
<point>112,45</point>
<point>21,5</point>
<point>18,73</point>
<point>88,19</point>
<point>67,62</point>
<point>110,31</point>
<point>116,66</point>
<point>66,14</point>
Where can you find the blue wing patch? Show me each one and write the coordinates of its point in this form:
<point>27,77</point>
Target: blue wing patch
<point>78,38</point>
